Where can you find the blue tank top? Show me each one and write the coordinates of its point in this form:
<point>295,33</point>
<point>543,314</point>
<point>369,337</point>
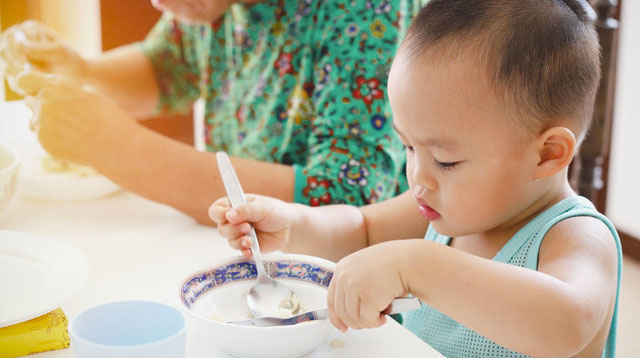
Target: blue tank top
<point>454,340</point>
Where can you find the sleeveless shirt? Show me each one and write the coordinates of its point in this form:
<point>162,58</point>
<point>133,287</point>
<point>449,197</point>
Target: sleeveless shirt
<point>453,339</point>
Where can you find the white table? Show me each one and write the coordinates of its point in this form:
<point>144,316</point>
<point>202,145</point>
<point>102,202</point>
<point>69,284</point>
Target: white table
<point>139,249</point>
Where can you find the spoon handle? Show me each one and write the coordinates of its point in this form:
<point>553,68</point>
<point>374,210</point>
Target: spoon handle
<point>237,199</point>
<point>398,305</point>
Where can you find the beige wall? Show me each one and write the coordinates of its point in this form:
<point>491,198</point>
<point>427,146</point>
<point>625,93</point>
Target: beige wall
<point>623,202</point>
<point>78,21</point>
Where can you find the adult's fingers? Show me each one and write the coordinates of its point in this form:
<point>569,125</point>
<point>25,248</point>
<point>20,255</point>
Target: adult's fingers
<point>34,105</point>
<point>44,53</point>
<point>32,32</point>
<point>10,63</point>
<point>31,81</point>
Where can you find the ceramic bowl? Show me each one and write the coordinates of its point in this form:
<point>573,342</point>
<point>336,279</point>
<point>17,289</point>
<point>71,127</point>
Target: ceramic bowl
<point>9,164</point>
<point>37,183</point>
<point>217,295</point>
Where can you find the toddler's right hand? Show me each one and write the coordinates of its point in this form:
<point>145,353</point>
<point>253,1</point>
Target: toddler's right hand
<point>271,218</point>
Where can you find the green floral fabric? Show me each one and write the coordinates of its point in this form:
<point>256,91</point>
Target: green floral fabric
<point>302,83</point>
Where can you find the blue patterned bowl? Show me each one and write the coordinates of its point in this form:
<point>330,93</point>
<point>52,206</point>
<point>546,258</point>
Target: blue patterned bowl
<point>217,295</point>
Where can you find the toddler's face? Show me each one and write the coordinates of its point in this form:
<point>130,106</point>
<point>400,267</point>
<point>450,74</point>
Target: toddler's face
<point>469,166</point>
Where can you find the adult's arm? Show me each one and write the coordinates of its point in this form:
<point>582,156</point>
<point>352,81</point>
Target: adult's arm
<point>126,75</point>
<point>160,75</point>
<point>173,173</point>
<point>84,126</point>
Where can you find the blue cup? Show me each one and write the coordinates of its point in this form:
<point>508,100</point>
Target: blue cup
<point>129,329</point>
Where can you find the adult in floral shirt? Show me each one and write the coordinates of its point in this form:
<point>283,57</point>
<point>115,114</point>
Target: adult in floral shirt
<point>294,91</point>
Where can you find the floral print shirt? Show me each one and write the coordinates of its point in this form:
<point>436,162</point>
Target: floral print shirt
<point>302,83</point>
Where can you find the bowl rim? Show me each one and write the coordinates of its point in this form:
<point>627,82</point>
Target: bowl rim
<point>15,156</point>
<point>271,256</point>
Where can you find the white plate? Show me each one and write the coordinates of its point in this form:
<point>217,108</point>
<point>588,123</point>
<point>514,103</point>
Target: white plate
<point>37,275</point>
<point>34,182</point>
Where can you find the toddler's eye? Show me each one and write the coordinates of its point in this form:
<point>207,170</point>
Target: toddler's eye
<point>446,165</point>
<point>410,149</point>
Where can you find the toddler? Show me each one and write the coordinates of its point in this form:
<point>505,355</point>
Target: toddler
<point>491,99</point>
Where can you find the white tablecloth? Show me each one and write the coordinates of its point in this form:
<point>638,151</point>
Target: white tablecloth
<point>139,249</point>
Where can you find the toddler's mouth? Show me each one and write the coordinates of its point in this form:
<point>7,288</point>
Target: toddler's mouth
<point>427,212</point>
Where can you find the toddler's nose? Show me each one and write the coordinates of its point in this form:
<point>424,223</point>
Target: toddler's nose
<point>423,179</point>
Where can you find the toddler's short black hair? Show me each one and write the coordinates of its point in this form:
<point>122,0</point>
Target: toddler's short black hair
<point>542,57</point>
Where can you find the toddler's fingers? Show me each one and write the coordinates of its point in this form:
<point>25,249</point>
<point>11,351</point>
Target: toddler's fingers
<point>231,231</point>
<point>336,322</point>
<point>243,244</point>
<point>331,305</point>
<point>252,212</point>
<point>223,202</point>
<point>342,306</point>
<point>240,243</point>
<point>235,243</point>
<point>217,213</point>
<point>352,311</point>
<point>371,317</point>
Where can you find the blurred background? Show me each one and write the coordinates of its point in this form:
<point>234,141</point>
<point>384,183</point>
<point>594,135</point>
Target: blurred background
<point>607,170</point>
<point>94,26</point>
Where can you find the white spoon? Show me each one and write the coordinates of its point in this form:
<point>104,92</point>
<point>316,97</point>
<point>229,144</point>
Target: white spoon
<point>266,294</point>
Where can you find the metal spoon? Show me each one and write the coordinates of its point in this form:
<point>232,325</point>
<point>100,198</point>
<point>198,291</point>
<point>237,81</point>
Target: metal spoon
<point>399,305</point>
<point>266,294</point>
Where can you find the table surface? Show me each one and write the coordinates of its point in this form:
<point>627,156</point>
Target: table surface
<point>125,236</point>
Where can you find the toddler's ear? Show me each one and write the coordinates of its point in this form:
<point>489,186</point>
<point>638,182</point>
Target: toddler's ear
<point>556,147</point>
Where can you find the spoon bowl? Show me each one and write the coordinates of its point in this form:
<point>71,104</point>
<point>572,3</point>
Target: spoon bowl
<point>267,295</point>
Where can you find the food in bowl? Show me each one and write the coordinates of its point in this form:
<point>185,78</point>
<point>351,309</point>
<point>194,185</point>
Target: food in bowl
<point>9,164</point>
<point>48,178</point>
<point>290,306</point>
<point>217,295</point>
<point>55,165</point>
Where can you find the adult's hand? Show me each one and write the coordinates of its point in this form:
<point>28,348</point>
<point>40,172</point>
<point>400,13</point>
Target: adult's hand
<point>31,45</point>
<point>74,121</point>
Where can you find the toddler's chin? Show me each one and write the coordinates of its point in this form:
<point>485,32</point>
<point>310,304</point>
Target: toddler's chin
<point>446,229</point>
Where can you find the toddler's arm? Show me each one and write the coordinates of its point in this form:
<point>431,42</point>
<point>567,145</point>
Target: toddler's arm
<point>331,231</point>
<point>553,312</point>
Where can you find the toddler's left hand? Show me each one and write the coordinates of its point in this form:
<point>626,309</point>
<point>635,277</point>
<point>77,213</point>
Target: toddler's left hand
<point>364,284</point>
